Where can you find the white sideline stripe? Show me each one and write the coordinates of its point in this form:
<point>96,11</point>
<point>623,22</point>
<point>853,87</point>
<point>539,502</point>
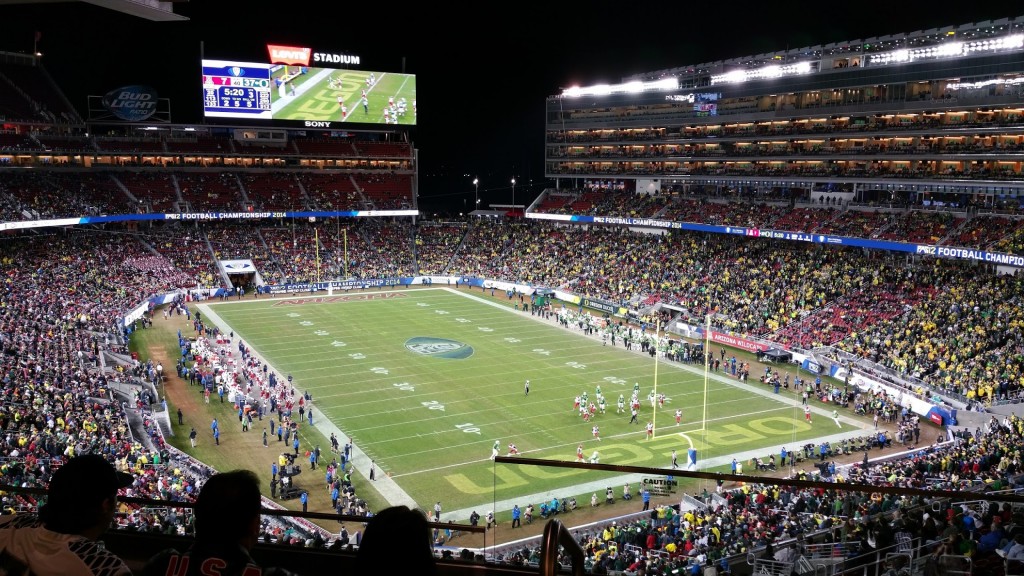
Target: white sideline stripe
<point>383,484</point>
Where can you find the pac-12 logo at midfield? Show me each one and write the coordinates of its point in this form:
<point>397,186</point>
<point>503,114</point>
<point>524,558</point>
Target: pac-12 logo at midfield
<point>439,347</point>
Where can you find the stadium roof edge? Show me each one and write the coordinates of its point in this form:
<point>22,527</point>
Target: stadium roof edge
<point>891,37</point>
<point>155,10</point>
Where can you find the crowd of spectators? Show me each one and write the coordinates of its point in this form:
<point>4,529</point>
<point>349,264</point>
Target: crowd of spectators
<point>65,292</point>
<point>906,219</point>
<point>331,191</point>
<point>295,252</point>
<point>436,243</point>
<point>388,250</point>
<point>215,192</point>
<point>921,227</point>
<point>776,522</point>
<point>277,192</point>
<point>965,339</point>
<point>60,328</point>
<point>873,305</point>
<point>888,295</point>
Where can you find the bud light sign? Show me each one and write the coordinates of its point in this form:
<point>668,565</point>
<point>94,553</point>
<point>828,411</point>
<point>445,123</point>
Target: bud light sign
<point>131,103</point>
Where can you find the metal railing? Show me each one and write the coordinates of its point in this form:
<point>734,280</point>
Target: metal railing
<point>555,535</point>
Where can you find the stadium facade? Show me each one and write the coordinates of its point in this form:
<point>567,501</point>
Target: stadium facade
<point>932,116</point>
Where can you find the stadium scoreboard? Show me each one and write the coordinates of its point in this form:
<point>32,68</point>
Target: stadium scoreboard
<point>236,89</point>
<point>331,93</point>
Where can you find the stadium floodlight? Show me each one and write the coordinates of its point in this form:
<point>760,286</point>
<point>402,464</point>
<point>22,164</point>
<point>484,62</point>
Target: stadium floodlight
<point>476,193</point>
<point>633,87</point>
<point>513,191</point>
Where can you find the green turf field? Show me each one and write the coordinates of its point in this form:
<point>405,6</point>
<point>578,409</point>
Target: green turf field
<point>317,99</point>
<point>425,381</point>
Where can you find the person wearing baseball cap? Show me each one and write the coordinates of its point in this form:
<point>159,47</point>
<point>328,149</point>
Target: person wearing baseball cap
<point>62,539</point>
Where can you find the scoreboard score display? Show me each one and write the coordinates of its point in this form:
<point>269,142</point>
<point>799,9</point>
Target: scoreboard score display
<point>288,91</point>
<point>236,89</point>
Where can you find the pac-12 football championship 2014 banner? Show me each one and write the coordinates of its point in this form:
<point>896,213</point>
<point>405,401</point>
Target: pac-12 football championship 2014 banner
<point>999,258</point>
<point>57,222</point>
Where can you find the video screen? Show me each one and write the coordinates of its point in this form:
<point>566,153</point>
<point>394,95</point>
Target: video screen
<point>305,96</point>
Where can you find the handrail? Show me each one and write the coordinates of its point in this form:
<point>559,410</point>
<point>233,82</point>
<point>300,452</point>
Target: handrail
<point>556,534</point>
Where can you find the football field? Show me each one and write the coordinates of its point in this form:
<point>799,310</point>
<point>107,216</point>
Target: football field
<point>426,381</point>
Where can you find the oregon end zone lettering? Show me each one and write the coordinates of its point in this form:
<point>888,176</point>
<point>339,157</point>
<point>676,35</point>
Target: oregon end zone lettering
<point>323,103</point>
<point>628,453</point>
<point>346,298</point>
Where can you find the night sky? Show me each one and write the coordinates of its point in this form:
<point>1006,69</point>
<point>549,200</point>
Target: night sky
<point>482,73</point>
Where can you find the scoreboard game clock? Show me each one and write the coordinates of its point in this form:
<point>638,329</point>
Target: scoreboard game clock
<point>237,89</point>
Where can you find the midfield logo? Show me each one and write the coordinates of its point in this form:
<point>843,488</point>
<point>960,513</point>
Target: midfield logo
<point>439,347</point>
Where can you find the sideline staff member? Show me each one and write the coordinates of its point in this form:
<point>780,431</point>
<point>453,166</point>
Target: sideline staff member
<point>62,539</point>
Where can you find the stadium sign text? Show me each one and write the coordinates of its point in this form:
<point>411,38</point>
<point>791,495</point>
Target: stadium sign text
<point>335,58</point>
<point>317,124</point>
<point>223,215</point>
<point>293,55</point>
<point>634,221</point>
<point>968,254</point>
<point>131,103</point>
<point>737,342</point>
<point>300,56</point>
<point>661,486</point>
<point>343,298</point>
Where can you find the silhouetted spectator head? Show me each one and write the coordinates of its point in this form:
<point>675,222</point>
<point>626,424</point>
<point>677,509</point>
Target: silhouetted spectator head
<point>61,538</point>
<point>228,506</point>
<point>82,496</point>
<point>397,528</point>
